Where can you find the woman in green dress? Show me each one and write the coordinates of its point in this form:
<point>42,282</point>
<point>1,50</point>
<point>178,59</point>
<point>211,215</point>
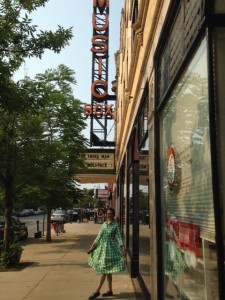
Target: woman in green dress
<point>107,253</point>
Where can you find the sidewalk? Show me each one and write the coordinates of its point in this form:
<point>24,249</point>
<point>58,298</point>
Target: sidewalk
<point>59,270</point>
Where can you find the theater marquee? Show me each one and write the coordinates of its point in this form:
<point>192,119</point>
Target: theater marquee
<point>101,160</point>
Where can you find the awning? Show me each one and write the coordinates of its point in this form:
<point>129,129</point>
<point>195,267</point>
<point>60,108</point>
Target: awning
<point>95,178</point>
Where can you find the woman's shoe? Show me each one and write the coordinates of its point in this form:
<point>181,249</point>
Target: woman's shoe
<point>107,294</point>
<point>94,295</point>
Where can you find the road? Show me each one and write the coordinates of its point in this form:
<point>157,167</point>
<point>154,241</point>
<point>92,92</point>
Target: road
<point>33,222</point>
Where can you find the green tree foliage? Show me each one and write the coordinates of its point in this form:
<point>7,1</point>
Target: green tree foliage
<point>20,38</point>
<point>17,101</point>
<point>53,158</point>
<point>46,142</point>
<point>87,199</point>
<point>22,104</point>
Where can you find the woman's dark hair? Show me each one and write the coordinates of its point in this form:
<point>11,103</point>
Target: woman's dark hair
<point>112,210</point>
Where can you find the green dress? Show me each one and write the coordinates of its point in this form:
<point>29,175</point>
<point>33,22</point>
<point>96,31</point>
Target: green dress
<point>174,259</point>
<point>107,258</point>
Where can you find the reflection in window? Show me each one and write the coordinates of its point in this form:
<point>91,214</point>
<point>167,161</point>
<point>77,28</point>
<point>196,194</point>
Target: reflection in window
<point>143,119</point>
<point>144,227</point>
<point>130,208</point>
<point>189,226</point>
<point>121,194</point>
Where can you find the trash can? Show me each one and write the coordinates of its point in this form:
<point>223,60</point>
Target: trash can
<point>147,219</point>
<point>37,234</point>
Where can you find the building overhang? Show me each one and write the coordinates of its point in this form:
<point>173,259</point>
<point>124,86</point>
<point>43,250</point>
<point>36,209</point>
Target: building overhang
<point>95,178</point>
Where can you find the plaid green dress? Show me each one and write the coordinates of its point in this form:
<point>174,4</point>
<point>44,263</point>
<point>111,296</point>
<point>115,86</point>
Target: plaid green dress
<point>174,259</point>
<point>107,258</point>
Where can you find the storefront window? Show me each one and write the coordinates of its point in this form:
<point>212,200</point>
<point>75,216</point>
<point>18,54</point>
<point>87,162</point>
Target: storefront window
<point>130,208</point>
<point>121,204</point>
<point>143,121</point>
<point>144,225</point>
<point>186,186</point>
<point>124,207</point>
<point>130,197</point>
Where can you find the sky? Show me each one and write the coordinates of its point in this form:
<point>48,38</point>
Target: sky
<point>77,56</point>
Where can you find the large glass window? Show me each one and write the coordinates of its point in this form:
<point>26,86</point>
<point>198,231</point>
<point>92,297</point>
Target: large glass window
<point>130,211</point>
<point>143,198</point>
<point>143,121</point>
<point>186,187</point>
<point>132,181</point>
<point>144,225</point>
<point>130,208</point>
<point>124,205</point>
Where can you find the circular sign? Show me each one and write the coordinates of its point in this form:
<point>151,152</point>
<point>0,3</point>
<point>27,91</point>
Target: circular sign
<point>171,168</point>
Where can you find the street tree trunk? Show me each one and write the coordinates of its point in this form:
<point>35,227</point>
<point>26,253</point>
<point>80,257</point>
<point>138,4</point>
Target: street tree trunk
<point>48,232</point>
<point>8,210</point>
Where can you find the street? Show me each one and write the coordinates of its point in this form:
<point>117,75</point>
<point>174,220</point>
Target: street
<point>33,222</point>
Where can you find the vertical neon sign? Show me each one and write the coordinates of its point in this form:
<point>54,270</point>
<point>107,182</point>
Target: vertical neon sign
<point>100,111</point>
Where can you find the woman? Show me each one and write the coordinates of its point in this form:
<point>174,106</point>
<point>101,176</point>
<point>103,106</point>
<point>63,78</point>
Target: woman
<point>108,253</point>
<point>174,258</point>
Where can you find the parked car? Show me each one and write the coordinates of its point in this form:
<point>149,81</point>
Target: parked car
<point>39,211</point>
<point>18,229</point>
<point>31,211</point>
<point>60,216</point>
<point>22,213</point>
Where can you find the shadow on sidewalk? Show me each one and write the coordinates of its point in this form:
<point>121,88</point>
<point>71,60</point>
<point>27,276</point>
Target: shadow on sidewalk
<point>78,242</point>
<point>125,295</point>
<point>20,267</point>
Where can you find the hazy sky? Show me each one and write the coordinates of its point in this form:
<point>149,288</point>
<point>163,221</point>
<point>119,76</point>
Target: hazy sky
<point>77,56</point>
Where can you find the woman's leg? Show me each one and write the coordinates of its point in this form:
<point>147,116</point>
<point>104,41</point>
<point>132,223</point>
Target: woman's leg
<point>101,282</point>
<point>109,279</point>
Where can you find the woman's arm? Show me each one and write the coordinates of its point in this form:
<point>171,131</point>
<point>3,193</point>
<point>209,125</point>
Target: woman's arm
<point>124,251</point>
<point>96,241</point>
<point>93,246</point>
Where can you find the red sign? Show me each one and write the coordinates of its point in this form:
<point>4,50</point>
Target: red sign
<point>187,235</point>
<point>109,187</point>
<point>102,193</point>
<point>98,110</point>
<point>99,86</point>
<point>171,168</point>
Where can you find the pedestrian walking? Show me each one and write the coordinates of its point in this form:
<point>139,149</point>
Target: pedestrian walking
<point>107,253</point>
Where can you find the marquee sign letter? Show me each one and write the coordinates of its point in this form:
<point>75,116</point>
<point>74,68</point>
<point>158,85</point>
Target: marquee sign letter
<point>99,85</point>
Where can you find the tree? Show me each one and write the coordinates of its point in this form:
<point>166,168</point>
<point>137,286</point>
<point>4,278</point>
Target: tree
<point>87,199</point>
<point>11,140</point>
<point>56,153</point>
<point>19,39</point>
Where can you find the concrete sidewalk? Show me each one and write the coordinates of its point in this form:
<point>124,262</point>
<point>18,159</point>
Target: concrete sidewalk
<point>59,270</point>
